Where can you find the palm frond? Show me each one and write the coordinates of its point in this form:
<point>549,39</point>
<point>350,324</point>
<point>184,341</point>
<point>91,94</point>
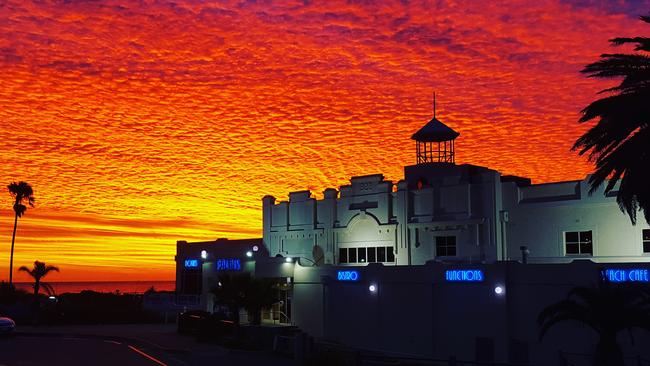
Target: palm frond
<point>617,64</point>
<point>22,192</point>
<point>619,142</point>
<point>20,209</point>
<point>565,310</point>
<point>48,288</point>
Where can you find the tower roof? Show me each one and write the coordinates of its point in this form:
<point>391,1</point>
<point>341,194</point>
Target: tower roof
<point>435,131</point>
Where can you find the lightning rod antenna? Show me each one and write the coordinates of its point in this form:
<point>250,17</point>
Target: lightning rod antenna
<point>434,104</point>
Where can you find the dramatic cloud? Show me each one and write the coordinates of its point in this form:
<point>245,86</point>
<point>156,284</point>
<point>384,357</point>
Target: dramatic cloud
<point>143,123</point>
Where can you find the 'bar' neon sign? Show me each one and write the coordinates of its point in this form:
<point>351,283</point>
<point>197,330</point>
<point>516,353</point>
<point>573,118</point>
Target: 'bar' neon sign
<point>626,275</point>
<point>464,275</point>
<point>191,263</point>
<point>347,276</point>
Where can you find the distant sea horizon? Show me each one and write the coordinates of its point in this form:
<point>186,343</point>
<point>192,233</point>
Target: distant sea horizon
<point>104,286</point>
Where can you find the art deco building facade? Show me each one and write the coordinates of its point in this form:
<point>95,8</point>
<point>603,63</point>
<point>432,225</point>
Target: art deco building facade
<point>432,267</point>
<point>447,212</point>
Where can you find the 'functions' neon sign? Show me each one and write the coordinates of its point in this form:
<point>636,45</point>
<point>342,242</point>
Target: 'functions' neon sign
<point>464,275</point>
<point>626,275</point>
<point>228,264</point>
<point>347,275</point>
<point>191,263</point>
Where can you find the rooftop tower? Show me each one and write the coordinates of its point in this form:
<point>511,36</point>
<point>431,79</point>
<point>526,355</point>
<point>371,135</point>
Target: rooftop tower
<point>434,143</point>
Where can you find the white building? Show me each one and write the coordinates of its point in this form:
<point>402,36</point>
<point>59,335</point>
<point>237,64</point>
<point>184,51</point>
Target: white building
<point>447,212</point>
<point>429,267</point>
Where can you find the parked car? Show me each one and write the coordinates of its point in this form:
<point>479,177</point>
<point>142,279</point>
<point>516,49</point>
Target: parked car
<point>7,325</point>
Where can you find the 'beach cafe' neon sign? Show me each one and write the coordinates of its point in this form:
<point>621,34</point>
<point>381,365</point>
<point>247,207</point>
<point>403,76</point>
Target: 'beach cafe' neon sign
<point>626,275</point>
<point>464,275</point>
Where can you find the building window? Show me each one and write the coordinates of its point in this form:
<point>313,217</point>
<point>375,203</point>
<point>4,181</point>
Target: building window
<point>352,255</point>
<point>366,255</point>
<point>372,255</point>
<point>381,254</point>
<point>646,240</point>
<point>343,255</point>
<point>361,255</point>
<point>578,242</point>
<point>445,246</point>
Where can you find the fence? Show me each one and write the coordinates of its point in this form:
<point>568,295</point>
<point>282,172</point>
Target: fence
<point>581,359</point>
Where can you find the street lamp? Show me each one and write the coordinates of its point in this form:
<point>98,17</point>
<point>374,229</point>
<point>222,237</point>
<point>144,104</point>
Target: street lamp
<point>499,290</point>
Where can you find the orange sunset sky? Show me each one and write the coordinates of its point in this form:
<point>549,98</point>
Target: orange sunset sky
<point>140,123</point>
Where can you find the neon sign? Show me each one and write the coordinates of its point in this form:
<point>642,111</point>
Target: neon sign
<point>626,275</point>
<point>228,264</point>
<point>464,275</point>
<point>191,263</point>
<point>347,276</point>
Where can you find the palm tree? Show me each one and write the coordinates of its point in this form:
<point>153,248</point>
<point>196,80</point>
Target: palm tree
<point>39,271</point>
<point>620,142</point>
<point>22,192</point>
<point>606,309</point>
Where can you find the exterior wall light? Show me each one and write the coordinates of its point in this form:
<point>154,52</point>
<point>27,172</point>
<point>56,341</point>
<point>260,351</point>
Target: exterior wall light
<point>255,248</point>
<point>249,254</point>
<point>372,288</point>
<point>499,290</point>
<point>204,254</point>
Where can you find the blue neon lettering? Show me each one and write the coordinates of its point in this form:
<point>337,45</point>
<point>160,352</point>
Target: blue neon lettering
<point>626,275</point>
<point>347,275</point>
<point>228,264</point>
<point>466,275</point>
<point>191,263</point>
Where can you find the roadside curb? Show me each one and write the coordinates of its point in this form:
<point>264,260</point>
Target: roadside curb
<point>126,340</point>
<point>133,341</point>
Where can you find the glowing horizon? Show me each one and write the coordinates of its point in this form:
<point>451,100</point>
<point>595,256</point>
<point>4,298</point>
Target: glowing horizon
<point>142,124</point>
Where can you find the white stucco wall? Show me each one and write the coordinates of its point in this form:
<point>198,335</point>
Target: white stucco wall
<point>540,223</point>
<point>416,313</point>
<point>464,201</point>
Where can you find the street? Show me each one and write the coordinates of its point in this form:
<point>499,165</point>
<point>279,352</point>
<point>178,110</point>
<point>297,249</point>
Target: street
<point>122,345</point>
<point>55,350</point>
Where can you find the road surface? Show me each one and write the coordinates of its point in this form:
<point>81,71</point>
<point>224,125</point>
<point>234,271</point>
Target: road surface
<point>62,350</point>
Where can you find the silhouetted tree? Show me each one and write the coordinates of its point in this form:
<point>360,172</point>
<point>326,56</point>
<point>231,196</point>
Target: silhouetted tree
<point>607,310</point>
<point>619,143</point>
<point>22,193</point>
<point>39,271</point>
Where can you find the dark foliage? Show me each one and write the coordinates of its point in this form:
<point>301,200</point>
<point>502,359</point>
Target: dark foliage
<point>37,272</point>
<point>90,307</point>
<point>244,291</point>
<point>619,143</point>
<point>9,294</point>
<point>607,310</point>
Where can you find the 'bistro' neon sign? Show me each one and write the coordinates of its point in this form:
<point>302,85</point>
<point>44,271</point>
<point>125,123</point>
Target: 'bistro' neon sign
<point>464,275</point>
<point>347,275</point>
<point>626,275</point>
